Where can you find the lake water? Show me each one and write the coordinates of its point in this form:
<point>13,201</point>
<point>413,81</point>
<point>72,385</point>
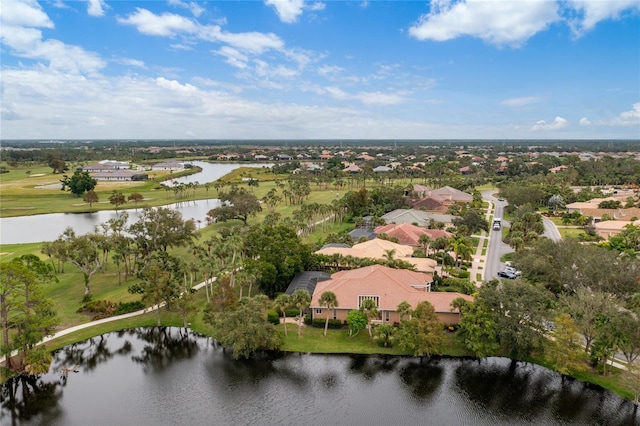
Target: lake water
<point>168,376</point>
<point>48,227</point>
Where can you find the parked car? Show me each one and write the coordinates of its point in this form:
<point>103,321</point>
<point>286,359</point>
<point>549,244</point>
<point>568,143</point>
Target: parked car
<point>500,199</point>
<point>513,270</point>
<point>507,275</point>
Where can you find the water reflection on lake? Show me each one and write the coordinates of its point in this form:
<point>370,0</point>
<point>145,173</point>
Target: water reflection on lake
<point>158,376</point>
<point>48,227</point>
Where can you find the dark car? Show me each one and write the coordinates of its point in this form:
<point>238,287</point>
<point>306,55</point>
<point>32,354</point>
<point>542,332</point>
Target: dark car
<point>508,275</point>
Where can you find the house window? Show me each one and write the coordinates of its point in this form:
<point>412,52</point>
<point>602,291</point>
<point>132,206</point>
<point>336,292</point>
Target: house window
<point>318,311</point>
<point>335,314</point>
<point>386,316</point>
<point>376,299</point>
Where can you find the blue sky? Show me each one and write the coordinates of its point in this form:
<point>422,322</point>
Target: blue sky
<point>296,69</point>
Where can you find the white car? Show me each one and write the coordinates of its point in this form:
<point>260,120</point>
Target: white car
<point>512,270</point>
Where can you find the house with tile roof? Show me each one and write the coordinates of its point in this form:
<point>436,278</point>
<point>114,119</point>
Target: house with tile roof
<point>419,217</point>
<point>611,228</point>
<point>387,287</point>
<point>409,234</point>
<point>453,194</point>
<point>379,249</point>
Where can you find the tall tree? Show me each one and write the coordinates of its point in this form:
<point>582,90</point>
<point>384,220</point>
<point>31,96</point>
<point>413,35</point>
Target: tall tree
<point>521,312</point>
<point>136,197</point>
<point>79,183</point>
<point>423,334</point>
<point>82,252</point>
<point>245,328</point>
<point>276,254</point>
<point>565,348</point>
<point>160,280</point>
<point>281,304</point>
<point>238,203</point>
<point>90,197</point>
<point>370,310</point>
<point>160,228</point>
<point>329,300</point>
<point>301,300</point>
<point>117,198</point>
<point>26,316</point>
<point>479,329</point>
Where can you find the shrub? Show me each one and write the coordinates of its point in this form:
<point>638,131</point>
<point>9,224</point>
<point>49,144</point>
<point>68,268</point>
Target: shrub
<point>125,308</point>
<point>291,312</point>
<point>103,308</point>
<point>273,317</point>
<point>307,318</point>
<point>334,324</point>
<point>464,274</point>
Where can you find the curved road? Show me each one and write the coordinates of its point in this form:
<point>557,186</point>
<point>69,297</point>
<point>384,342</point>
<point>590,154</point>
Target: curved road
<point>496,247</point>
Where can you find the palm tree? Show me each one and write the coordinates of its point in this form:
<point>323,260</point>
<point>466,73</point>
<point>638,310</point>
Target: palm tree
<point>425,242</point>
<point>281,304</point>
<point>301,300</point>
<point>328,299</point>
<point>370,310</point>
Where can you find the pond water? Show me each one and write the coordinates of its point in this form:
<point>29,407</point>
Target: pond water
<point>48,227</point>
<point>168,376</point>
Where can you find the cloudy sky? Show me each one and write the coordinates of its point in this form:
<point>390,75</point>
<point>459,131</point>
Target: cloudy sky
<point>296,69</point>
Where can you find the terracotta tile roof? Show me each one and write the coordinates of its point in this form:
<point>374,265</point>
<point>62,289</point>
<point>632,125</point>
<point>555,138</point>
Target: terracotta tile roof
<point>377,249</point>
<point>392,286</point>
<point>408,233</point>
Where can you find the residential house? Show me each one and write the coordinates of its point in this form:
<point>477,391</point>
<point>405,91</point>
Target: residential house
<point>168,165</point>
<point>610,228</point>
<point>419,217</point>
<point>409,234</point>
<point>386,286</point>
<point>381,249</point>
<point>114,175</point>
<point>351,168</point>
<point>453,194</point>
<point>98,168</point>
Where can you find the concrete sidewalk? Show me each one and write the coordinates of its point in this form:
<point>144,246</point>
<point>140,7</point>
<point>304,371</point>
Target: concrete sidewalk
<point>479,260</point>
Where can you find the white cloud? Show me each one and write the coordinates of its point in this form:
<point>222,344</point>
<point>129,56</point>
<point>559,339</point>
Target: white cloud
<point>558,123</point>
<point>167,24</point>
<point>584,121</point>
<point>367,98</point>
<point>379,98</point>
<point>18,34</point>
<point>626,118</point>
<point>195,9</point>
<point>497,22</point>
<point>316,6</point>
<point>130,62</point>
<point>234,57</point>
<point>26,13</point>
<point>521,102</point>
<point>287,10</point>
<point>96,7</point>
<point>590,12</point>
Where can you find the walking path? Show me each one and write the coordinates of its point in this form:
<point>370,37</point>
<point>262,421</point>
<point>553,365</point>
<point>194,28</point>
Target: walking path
<point>107,320</point>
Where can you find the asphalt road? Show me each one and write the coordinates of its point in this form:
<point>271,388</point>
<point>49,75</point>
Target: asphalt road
<point>496,247</point>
